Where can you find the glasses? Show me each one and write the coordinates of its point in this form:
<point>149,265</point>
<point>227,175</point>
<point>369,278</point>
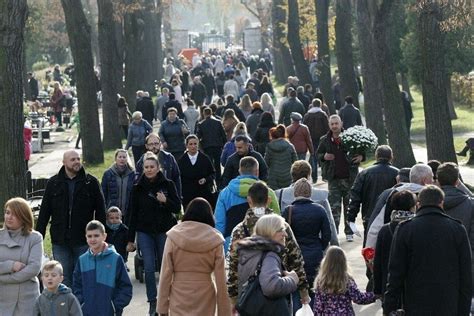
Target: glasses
<point>153,144</point>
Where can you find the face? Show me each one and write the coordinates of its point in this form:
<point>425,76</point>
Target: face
<point>241,148</point>
<point>335,125</point>
<point>95,240</point>
<point>114,218</point>
<point>11,221</point>
<point>280,236</point>
<point>172,116</point>
<point>51,279</point>
<point>192,146</point>
<point>137,120</point>
<point>72,162</point>
<point>121,159</point>
<point>150,169</point>
<point>153,144</point>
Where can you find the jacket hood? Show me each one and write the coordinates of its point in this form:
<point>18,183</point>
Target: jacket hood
<point>413,187</point>
<point>278,145</point>
<point>62,289</point>
<point>250,247</point>
<point>314,110</point>
<point>453,196</point>
<point>110,249</point>
<point>240,186</point>
<point>195,236</point>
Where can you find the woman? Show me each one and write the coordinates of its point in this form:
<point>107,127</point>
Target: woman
<point>267,243</point>
<point>137,133</point>
<point>279,156</point>
<point>27,138</point>
<point>21,251</point>
<point>243,71</point>
<point>246,105</point>
<point>253,119</point>
<point>310,224</point>
<point>124,115</point>
<point>56,102</point>
<point>117,182</point>
<point>154,203</point>
<point>267,103</point>
<point>229,147</point>
<point>177,90</point>
<point>265,86</point>
<point>262,134</point>
<point>197,173</point>
<point>220,80</point>
<point>193,252</point>
<point>324,107</point>
<point>229,121</point>
<point>172,132</point>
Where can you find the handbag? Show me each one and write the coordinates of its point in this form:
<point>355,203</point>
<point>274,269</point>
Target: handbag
<point>252,302</point>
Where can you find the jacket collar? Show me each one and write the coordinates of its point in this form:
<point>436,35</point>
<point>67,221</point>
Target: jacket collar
<point>6,240</point>
<point>429,210</point>
<point>80,175</point>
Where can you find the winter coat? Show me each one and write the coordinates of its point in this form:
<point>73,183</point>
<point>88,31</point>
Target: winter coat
<point>117,188</point>
<point>232,204</point>
<point>382,256</point>
<point>191,117</point>
<point>209,82</point>
<point>317,122</point>
<point>147,214</point>
<point>262,138</point>
<point>68,224</point>
<point>193,252</point>
<point>229,125</point>
<point>430,263</point>
<point>279,156</point>
<point>238,112</point>
<point>61,303</point>
<point>310,226</point>
<point>198,93</point>
<point>145,105</point>
<point>119,239</point>
<point>290,105</point>
<point>350,116</point>
<point>137,133</point>
<point>268,88</point>
<point>172,104</point>
<point>299,136</point>
<point>252,122</point>
<point>172,133</point>
<point>27,137</point>
<point>101,283</point>
<point>19,290</point>
<point>56,101</point>
<point>124,116</point>
<point>231,169</point>
<point>232,87</point>
<point>211,133</point>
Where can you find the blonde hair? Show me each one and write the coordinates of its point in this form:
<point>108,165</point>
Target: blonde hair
<point>137,115</point>
<point>21,209</point>
<point>120,150</point>
<point>333,275</point>
<point>268,225</point>
<point>53,265</point>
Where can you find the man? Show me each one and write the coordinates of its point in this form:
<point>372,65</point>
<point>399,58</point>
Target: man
<point>317,121</point>
<point>160,103</point>
<point>289,106</point>
<point>350,115</point>
<point>33,87</point>
<point>172,103</point>
<point>298,135</point>
<point>231,105</point>
<point>232,201</point>
<point>242,149</point>
<point>198,92</point>
<point>71,200</point>
<point>167,161</point>
<point>369,183</point>
<point>302,169</point>
<point>430,262</point>
<point>251,92</point>
<point>210,83</point>
<point>292,258</point>
<point>303,98</point>
<point>145,105</point>
<point>212,138</point>
<point>232,87</point>
<point>338,170</point>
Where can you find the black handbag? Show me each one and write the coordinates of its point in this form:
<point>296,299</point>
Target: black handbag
<point>252,302</point>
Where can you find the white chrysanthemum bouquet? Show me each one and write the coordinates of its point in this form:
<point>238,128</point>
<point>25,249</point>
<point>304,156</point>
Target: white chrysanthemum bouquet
<point>358,140</point>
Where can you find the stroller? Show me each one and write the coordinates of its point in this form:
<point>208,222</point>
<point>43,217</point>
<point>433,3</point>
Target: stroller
<point>140,265</point>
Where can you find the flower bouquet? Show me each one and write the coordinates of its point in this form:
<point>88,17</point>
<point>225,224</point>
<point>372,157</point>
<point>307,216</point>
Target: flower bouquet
<point>358,140</point>
<point>369,255</point>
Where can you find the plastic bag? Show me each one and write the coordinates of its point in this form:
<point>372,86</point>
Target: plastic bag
<point>304,311</point>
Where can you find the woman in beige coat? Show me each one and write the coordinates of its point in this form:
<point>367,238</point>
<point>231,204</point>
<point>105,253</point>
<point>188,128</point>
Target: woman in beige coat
<point>21,250</point>
<point>193,251</point>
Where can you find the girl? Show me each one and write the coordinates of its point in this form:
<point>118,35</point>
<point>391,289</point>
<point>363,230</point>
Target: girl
<point>335,289</point>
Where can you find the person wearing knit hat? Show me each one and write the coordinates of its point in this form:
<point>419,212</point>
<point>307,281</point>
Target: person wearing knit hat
<point>310,225</point>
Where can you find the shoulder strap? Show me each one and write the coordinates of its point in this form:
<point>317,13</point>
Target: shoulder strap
<point>290,211</point>
<point>296,130</point>
<point>280,197</point>
<point>260,262</point>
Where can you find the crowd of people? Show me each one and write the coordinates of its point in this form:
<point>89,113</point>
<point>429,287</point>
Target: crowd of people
<point>245,180</point>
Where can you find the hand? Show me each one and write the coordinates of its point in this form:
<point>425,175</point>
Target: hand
<point>354,229</point>
<point>306,300</point>
<point>357,159</point>
<point>131,247</point>
<point>18,266</point>
<point>328,156</point>
<point>161,197</point>
<point>164,145</point>
<point>202,181</point>
<point>292,274</point>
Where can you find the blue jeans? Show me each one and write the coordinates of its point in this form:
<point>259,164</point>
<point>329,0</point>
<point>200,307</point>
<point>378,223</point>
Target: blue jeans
<point>151,246</point>
<point>301,156</point>
<point>68,257</point>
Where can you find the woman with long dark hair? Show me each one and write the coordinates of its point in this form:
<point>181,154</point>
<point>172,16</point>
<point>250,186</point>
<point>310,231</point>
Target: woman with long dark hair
<point>262,135</point>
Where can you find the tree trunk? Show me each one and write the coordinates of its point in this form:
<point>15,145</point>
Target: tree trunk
<point>94,32</point>
<point>80,41</point>
<point>167,28</point>
<point>12,20</point>
<point>293,38</point>
<point>282,62</point>
<point>439,132</point>
<point>373,108</point>
<point>324,59</point>
<point>406,84</point>
<point>398,137</point>
<point>111,73</point>
<point>345,59</point>
<point>449,95</point>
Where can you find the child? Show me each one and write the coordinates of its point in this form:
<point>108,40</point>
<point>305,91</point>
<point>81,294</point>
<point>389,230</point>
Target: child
<point>56,299</point>
<point>100,281</point>
<point>117,232</point>
<point>335,289</point>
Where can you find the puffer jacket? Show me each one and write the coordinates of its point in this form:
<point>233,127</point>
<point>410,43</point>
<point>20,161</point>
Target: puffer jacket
<point>279,156</point>
<point>172,133</point>
<point>61,303</point>
<point>137,133</point>
<point>252,122</point>
<point>317,122</point>
<point>117,188</point>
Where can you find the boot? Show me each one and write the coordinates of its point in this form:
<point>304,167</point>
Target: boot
<point>152,310</point>
<point>463,152</point>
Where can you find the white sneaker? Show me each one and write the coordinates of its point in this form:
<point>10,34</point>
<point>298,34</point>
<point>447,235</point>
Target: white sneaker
<point>350,238</point>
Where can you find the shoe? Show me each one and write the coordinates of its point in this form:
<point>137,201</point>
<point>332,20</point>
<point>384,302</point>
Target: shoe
<point>463,153</point>
<point>349,238</point>
<point>152,310</point>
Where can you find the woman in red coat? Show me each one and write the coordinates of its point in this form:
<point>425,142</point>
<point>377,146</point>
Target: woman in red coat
<point>27,137</point>
<point>56,103</point>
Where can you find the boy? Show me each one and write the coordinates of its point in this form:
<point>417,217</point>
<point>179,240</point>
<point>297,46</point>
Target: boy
<point>117,232</point>
<point>100,281</point>
<point>56,299</point>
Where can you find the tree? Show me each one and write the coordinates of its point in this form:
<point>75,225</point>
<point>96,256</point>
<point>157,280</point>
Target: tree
<point>111,56</point>
<point>324,58</point>
<point>79,38</point>
<point>261,9</point>
<point>12,20</point>
<point>345,58</point>
<point>293,38</point>
<point>282,62</point>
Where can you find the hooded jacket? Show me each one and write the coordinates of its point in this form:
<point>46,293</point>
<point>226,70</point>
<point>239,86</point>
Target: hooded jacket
<point>193,251</point>
<point>61,303</point>
<point>317,122</point>
<point>231,169</point>
<point>279,156</point>
<point>117,187</point>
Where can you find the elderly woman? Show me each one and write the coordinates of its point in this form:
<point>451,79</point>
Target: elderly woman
<point>310,224</point>
<point>263,249</point>
<point>21,250</point>
<point>193,252</point>
<point>137,133</point>
<point>172,132</point>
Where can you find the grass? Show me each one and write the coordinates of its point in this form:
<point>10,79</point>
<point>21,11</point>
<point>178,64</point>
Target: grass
<point>97,170</point>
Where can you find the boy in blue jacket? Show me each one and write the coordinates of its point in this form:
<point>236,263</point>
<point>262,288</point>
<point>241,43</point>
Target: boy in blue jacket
<point>100,281</point>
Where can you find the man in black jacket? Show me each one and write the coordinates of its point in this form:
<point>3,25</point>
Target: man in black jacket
<point>198,92</point>
<point>145,105</point>
<point>231,105</point>
<point>210,83</point>
<point>172,103</point>
<point>350,115</point>
<point>430,262</point>
<point>71,200</point>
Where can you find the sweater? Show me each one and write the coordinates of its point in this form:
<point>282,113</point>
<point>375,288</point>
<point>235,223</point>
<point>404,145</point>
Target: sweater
<point>59,303</point>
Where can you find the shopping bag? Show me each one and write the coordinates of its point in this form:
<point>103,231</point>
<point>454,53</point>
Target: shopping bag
<point>305,310</point>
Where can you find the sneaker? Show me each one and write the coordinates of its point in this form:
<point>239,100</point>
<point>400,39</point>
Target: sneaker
<point>350,238</point>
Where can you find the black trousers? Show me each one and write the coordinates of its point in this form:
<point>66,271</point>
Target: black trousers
<point>214,153</point>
